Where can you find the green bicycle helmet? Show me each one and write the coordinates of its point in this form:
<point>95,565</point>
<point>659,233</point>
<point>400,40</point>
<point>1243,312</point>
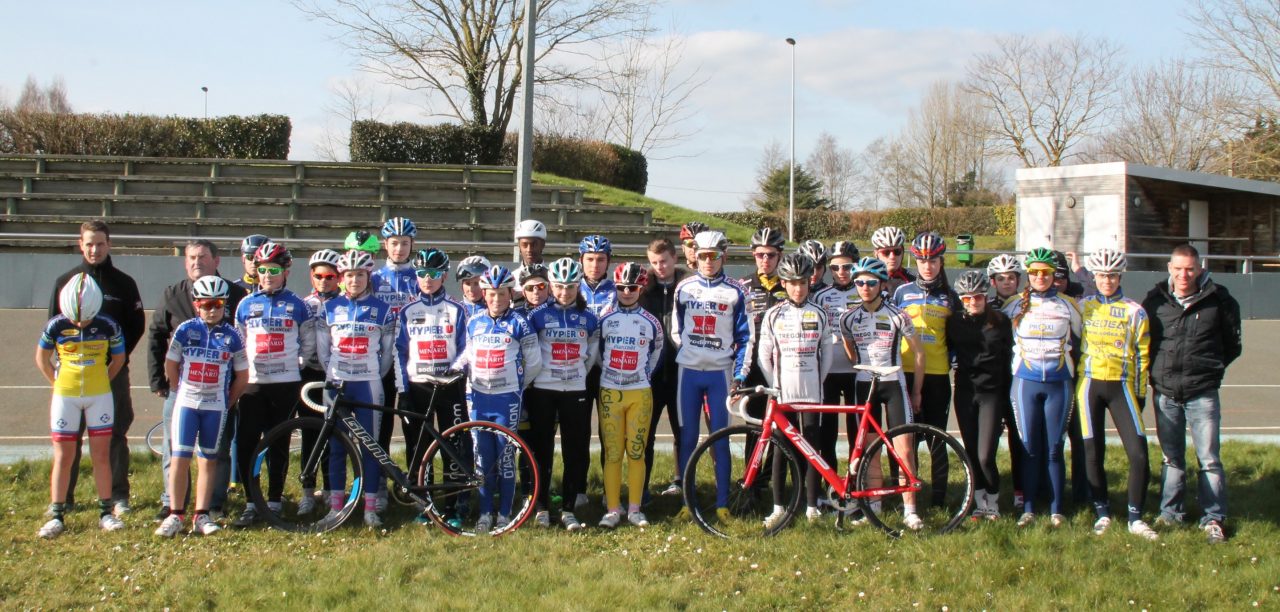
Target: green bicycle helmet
<point>362,241</point>
<point>1040,256</point>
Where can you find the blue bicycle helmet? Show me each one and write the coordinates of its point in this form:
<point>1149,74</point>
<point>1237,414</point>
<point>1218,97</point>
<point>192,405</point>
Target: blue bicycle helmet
<point>595,243</point>
<point>872,266</point>
<point>399,226</point>
<point>497,277</point>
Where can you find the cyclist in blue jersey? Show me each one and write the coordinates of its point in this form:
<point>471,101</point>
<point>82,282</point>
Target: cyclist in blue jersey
<point>396,284</point>
<point>90,351</point>
<point>567,334</point>
<point>278,334</point>
<point>501,359</point>
<point>596,287</point>
<point>354,341</point>
<point>207,368</point>
<point>712,334</point>
<point>431,334</point>
<point>1046,332</point>
<point>470,269</point>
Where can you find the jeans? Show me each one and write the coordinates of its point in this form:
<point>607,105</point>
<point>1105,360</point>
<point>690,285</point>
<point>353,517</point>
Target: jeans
<point>1201,415</point>
<point>222,471</point>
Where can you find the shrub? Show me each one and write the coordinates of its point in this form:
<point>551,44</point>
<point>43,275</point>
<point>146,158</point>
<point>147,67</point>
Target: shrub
<point>981,220</point>
<point>410,143</point>
<point>256,137</point>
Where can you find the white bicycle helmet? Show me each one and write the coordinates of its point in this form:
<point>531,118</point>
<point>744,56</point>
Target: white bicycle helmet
<point>565,271</point>
<point>327,257</point>
<point>531,228</point>
<point>1106,260</point>
<point>1003,263</point>
<point>80,299</point>
<point>210,288</point>
<point>711,240</point>
<point>472,267</point>
<point>888,237</point>
<point>355,260</point>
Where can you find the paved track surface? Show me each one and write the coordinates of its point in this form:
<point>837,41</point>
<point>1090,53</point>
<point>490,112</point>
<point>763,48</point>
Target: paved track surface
<point>1250,395</point>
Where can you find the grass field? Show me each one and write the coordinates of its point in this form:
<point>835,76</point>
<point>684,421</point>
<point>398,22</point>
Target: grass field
<point>406,566</point>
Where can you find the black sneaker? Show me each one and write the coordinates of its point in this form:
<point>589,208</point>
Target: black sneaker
<point>162,514</point>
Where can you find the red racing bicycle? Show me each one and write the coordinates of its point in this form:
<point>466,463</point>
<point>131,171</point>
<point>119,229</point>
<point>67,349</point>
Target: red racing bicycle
<point>885,471</point>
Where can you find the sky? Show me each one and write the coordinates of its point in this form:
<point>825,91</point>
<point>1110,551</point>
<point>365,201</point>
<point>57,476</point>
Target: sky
<point>860,66</point>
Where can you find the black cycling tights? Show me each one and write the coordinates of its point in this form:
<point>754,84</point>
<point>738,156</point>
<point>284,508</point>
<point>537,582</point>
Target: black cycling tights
<point>935,410</point>
<point>1094,398</point>
<point>979,416</point>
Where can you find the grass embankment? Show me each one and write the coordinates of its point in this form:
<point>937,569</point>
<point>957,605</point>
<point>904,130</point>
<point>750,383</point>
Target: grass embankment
<point>988,565</point>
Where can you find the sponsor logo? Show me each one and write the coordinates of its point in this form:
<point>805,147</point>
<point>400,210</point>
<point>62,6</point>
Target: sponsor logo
<point>269,343</point>
<point>433,350</point>
<point>204,373</point>
<point>704,324</point>
<point>351,345</point>
<point>70,332</point>
<point>565,351</point>
<point>490,359</point>
<point>623,360</point>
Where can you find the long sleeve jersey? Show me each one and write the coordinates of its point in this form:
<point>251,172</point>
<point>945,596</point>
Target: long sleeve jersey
<point>710,326</point>
<point>835,301</point>
<point>430,335</point>
<point>354,338</point>
<point>630,348</point>
<point>395,284</point>
<point>569,340</point>
<point>1045,330</point>
<point>795,351</point>
<point>278,335</point>
<point>600,298</point>
<point>1115,340</point>
<point>502,353</point>
<point>207,357</point>
<point>315,309</point>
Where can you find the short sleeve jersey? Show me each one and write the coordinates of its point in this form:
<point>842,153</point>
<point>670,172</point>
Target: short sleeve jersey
<point>83,354</point>
<point>207,359</point>
<point>877,335</point>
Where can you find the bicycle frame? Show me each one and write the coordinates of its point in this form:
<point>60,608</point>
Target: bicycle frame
<point>775,419</point>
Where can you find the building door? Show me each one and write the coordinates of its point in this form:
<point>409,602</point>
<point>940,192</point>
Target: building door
<point>1102,215</point>
<point>1035,222</point>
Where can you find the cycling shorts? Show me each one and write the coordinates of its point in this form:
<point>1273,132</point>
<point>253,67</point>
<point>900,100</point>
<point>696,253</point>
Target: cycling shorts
<point>892,396</point>
<point>65,413</point>
<point>196,431</point>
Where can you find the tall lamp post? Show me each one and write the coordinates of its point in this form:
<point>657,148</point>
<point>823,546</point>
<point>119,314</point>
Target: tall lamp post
<point>791,192</point>
<point>206,101</point>
<point>524,154</point>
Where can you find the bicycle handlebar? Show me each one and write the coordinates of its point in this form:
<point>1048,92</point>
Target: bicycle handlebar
<point>446,379</point>
<point>306,395</point>
<point>738,403</point>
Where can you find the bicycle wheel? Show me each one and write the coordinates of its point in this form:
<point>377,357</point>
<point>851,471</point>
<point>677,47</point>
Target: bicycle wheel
<point>453,490</point>
<point>946,479</point>
<point>748,507</point>
<point>155,439</point>
<point>277,489</point>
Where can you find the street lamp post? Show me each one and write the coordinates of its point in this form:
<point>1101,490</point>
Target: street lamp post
<point>791,192</point>
<point>206,101</point>
<point>524,154</point>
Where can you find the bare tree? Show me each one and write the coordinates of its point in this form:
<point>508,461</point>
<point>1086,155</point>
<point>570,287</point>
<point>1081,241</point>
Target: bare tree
<point>1242,37</point>
<point>1045,97</point>
<point>1174,116</point>
<point>351,100</point>
<point>467,54</point>
<point>836,168</point>
<point>771,158</point>
<point>646,94</point>
<point>37,99</point>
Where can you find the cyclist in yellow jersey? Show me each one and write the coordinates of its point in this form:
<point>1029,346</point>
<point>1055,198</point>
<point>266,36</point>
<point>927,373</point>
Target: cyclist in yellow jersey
<point>1113,377</point>
<point>90,352</point>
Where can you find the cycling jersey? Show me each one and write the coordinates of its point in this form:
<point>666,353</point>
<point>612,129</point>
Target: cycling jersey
<point>315,310</point>
<point>599,298</point>
<point>432,332</point>
<point>502,353</point>
<point>762,292</point>
<point>474,308</point>
<point>1114,340</point>
<point>354,338</point>
<point>795,351</point>
<point>835,301</point>
<point>630,348</point>
<point>1044,336</point>
<point>877,335</point>
<point>207,358</point>
<point>395,284</point>
<point>929,310</point>
<point>84,354</point>
<point>277,332</point>
<point>710,327</point>
<point>568,338</point>
<point>897,278</point>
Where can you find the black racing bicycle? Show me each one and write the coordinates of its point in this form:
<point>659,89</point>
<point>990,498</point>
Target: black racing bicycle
<point>445,479</point>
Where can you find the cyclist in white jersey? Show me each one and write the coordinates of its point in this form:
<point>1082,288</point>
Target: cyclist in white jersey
<point>873,333</point>
<point>840,386</point>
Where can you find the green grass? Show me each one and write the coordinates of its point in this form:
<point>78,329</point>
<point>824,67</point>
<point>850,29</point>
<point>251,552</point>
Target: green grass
<point>989,565</point>
<point>663,212</point>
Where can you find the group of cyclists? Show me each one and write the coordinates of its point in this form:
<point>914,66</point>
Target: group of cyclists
<point>538,344</point>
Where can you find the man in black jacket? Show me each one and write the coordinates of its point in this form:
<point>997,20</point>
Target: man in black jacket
<point>121,302</point>
<point>659,298</point>
<point>1195,335</point>
<point>200,258</point>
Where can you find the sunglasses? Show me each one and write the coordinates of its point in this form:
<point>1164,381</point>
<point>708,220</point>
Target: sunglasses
<point>709,255</point>
<point>844,267</point>
<point>897,252</point>
<point>1039,272</point>
<point>973,298</point>
<point>270,270</point>
<point>690,243</point>
<point>212,304</point>
<point>628,288</point>
<point>325,277</point>
<point>532,286</point>
<point>867,282</point>
<point>563,286</point>
<point>429,273</point>
<point>765,255</point>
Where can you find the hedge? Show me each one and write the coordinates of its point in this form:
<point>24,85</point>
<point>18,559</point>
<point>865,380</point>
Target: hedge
<point>255,137</point>
<point>447,143</point>
<point>980,220</point>
<point>410,143</point>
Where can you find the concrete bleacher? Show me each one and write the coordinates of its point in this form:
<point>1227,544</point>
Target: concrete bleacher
<point>51,194</point>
